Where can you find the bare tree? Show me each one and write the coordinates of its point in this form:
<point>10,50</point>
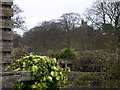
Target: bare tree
<point>18,20</point>
<point>70,21</point>
<point>103,12</point>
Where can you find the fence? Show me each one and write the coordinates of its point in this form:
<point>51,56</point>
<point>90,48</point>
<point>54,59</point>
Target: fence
<point>74,79</point>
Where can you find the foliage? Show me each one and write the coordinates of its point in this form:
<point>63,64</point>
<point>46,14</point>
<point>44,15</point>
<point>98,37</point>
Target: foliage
<point>87,61</point>
<point>18,53</point>
<point>47,72</point>
<point>83,80</point>
<point>17,40</point>
<point>66,54</point>
<point>50,35</point>
<point>103,63</point>
<point>69,22</point>
<point>109,72</point>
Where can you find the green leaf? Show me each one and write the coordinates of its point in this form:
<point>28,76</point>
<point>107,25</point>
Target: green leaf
<point>58,78</point>
<point>43,68</point>
<point>34,68</point>
<point>24,64</point>
<point>18,69</point>
<point>33,86</point>
<point>13,64</point>
<point>44,79</point>
<point>52,73</point>
<point>50,78</point>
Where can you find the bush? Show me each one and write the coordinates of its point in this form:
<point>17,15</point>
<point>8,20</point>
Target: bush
<point>19,52</point>
<point>83,80</point>
<point>66,54</point>
<point>103,63</point>
<point>109,72</point>
<point>88,61</point>
<point>46,70</point>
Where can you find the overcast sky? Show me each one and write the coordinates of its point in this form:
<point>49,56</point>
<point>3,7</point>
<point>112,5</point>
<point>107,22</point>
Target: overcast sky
<point>37,11</point>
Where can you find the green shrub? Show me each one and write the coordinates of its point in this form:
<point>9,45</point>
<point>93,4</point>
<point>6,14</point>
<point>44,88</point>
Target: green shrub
<point>109,70</point>
<point>104,63</point>
<point>66,54</point>
<point>46,70</point>
<point>88,60</point>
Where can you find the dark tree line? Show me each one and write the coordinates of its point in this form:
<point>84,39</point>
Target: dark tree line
<point>50,37</point>
<point>69,32</point>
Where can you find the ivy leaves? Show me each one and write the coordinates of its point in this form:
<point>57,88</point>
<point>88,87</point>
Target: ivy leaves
<point>46,70</point>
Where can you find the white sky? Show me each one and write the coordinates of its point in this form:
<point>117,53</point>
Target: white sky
<point>37,11</point>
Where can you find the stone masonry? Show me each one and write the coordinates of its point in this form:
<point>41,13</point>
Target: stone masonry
<point>6,35</point>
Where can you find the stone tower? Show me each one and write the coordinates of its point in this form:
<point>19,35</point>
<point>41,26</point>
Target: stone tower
<point>6,35</point>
